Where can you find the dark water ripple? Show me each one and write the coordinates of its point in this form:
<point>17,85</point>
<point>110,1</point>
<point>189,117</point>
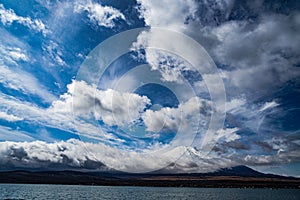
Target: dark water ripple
<point>27,191</point>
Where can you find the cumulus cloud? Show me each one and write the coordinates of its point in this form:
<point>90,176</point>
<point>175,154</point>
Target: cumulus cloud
<point>162,14</point>
<point>255,57</point>
<point>170,57</point>
<point>77,154</point>
<point>54,118</point>
<point>268,51</point>
<point>155,13</point>
<point>38,154</point>
<point>101,15</point>
<point>8,16</point>
<point>266,48</point>
<point>111,106</point>
<point>73,154</point>
<point>86,104</point>
<point>170,66</point>
<point>187,114</point>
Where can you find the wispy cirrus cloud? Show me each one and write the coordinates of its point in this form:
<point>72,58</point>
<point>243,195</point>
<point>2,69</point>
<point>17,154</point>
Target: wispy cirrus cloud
<point>15,56</point>
<point>8,16</point>
<point>12,54</point>
<point>14,135</point>
<point>54,52</point>
<point>12,49</point>
<point>9,117</point>
<point>78,109</point>
<point>20,80</point>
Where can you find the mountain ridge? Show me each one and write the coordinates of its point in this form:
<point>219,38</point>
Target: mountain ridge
<point>239,176</point>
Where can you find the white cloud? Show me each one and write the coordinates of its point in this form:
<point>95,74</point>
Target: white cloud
<point>54,53</point>
<point>75,153</point>
<point>167,13</point>
<point>53,118</point>
<point>213,138</point>
<point>161,54</point>
<point>111,106</point>
<point>101,15</point>
<point>187,114</point>
<point>260,55</point>
<point>227,135</point>
<point>268,105</point>
<point>23,81</point>
<point>172,15</point>
<point>15,135</point>
<point>12,54</point>
<point>38,152</point>
<point>235,104</point>
<point>16,54</point>
<point>251,115</point>
<point>9,117</point>
<point>88,104</point>
<point>8,16</point>
<point>268,51</point>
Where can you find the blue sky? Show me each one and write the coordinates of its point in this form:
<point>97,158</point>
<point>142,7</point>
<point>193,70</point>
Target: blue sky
<point>54,115</point>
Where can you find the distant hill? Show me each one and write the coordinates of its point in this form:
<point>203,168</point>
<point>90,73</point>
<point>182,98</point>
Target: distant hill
<point>243,171</point>
<point>240,176</point>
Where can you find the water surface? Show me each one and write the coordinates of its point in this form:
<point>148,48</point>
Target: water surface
<point>28,191</point>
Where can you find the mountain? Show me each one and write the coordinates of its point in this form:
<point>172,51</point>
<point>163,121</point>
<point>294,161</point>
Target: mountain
<point>240,176</point>
<point>243,171</point>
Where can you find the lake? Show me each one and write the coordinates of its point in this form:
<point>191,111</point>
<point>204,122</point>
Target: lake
<point>27,191</point>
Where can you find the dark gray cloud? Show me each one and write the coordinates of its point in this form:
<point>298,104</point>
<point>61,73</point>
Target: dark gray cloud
<point>40,155</point>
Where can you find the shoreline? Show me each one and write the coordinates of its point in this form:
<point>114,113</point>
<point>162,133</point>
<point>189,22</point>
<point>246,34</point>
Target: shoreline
<point>157,186</point>
<point>147,180</point>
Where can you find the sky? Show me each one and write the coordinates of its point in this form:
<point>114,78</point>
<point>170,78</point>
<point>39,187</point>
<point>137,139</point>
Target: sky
<point>139,86</point>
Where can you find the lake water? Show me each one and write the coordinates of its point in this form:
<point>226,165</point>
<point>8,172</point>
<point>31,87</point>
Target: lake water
<point>27,191</point>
